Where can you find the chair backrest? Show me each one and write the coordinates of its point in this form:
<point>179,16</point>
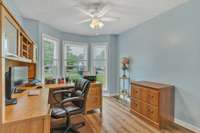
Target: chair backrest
<point>81,89</point>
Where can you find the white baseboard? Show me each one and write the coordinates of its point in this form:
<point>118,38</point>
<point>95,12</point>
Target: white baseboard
<point>187,125</point>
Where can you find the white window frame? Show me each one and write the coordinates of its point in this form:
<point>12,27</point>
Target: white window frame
<point>44,35</point>
<point>75,44</point>
<point>104,45</point>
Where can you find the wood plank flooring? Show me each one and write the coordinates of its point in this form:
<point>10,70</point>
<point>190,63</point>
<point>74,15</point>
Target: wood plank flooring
<point>116,118</point>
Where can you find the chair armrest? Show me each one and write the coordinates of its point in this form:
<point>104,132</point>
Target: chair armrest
<point>71,100</point>
<point>60,92</point>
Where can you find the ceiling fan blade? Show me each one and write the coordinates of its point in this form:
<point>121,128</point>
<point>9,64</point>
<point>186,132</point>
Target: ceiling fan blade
<point>109,19</point>
<point>85,12</point>
<point>84,21</point>
<point>103,12</point>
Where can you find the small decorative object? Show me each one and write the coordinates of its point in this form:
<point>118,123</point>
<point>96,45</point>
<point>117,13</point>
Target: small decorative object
<point>50,81</point>
<point>61,81</point>
<point>125,63</point>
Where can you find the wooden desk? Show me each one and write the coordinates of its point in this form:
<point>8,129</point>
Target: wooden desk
<point>31,114</point>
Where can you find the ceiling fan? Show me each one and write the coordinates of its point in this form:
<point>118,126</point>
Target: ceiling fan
<point>97,14</point>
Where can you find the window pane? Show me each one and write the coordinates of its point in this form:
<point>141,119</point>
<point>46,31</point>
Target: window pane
<point>51,62</point>
<point>99,64</point>
<point>77,52</point>
<point>100,71</point>
<point>50,71</point>
<point>76,61</point>
<point>99,53</point>
<point>48,52</point>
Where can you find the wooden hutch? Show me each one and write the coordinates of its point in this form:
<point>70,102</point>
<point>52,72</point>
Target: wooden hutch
<point>16,49</point>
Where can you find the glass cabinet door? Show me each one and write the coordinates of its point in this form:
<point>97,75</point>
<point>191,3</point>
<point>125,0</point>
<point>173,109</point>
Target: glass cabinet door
<point>10,41</point>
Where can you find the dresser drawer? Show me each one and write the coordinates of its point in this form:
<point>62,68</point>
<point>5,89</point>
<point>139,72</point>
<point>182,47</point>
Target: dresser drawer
<point>153,97</point>
<point>150,111</point>
<point>150,96</point>
<point>136,92</point>
<point>135,105</point>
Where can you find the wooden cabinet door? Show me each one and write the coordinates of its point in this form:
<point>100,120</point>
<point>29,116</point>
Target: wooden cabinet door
<point>28,126</point>
<point>94,98</point>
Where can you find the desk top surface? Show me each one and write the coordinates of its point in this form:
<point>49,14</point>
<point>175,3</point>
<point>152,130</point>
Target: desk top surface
<point>28,107</point>
<point>59,86</point>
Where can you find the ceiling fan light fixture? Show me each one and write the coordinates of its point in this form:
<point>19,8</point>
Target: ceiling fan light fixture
<point>96,24</point>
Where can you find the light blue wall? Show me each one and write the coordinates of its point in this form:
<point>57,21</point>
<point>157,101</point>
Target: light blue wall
<point>167,49</point>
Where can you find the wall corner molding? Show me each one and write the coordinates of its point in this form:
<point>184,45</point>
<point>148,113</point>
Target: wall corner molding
<point>187,125</point>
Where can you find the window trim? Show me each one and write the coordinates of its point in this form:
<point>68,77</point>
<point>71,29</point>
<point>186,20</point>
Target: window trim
<point>44,35</point>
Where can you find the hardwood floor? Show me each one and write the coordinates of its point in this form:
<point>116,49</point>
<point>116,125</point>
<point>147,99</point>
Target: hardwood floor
<point>117,119</point>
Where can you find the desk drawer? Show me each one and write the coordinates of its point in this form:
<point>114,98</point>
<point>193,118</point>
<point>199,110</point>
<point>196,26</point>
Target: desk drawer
<point>92,103</point>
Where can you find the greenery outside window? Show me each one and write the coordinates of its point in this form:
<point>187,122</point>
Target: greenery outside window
<point>50,58</point>
<point>75,60</point>
<point>100,63</point>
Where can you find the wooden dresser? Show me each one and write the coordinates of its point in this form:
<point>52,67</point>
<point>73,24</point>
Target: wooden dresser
<point>153,102</point>
<point>94,98</point>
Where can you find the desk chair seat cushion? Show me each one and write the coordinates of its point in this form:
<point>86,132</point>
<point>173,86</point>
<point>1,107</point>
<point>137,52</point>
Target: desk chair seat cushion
<point>58,112</point>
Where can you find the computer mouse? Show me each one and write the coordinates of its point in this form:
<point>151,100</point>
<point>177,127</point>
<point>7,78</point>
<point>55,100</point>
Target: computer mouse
<point>39,87</point>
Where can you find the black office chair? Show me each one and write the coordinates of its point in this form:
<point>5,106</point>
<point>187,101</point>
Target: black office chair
<point>72,105</point>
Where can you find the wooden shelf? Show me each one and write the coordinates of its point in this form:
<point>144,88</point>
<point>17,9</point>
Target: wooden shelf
<point>20,59</point>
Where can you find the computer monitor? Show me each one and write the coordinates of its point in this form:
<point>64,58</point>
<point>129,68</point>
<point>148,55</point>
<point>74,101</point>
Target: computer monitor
<point>16,76</point>
<point>19,76</point>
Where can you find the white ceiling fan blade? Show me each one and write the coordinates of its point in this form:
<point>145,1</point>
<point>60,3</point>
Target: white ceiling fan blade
<point>84,21</point>
<point>103,12</point>
<point>85,12</point>
<point>109,19</point>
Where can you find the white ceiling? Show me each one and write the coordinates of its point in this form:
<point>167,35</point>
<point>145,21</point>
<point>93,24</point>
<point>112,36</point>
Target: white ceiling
<point>62,14</point>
